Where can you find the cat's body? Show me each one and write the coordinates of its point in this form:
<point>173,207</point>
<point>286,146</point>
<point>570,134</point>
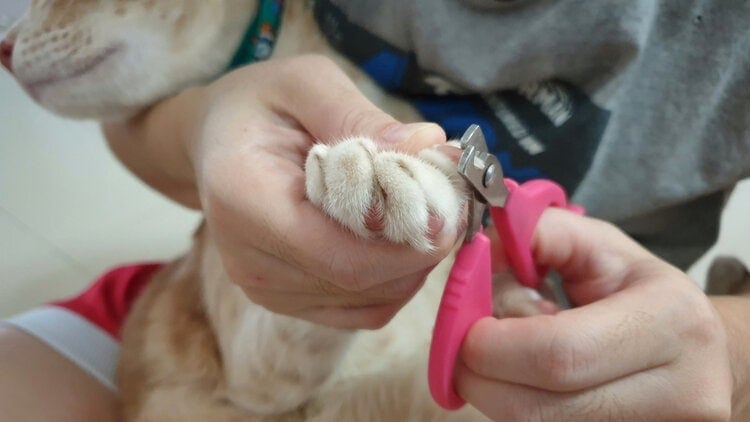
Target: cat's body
<point>176,366</point>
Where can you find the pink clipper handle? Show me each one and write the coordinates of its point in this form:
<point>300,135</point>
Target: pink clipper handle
<point>468,292</point>
<point>467,298</point>
<point>517,220</point>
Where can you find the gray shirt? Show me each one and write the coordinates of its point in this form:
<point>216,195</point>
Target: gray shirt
<point>668,85</point>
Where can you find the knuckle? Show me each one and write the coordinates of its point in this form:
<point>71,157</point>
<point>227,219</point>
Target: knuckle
<point>352,273</point>
<point>607,228</point>
<point>531,409</point>
<point>257,297</point>
<point>477,355</point>
<point>706,407</point>
<point>324,287</point>
<point>378,317</point>
<point>278,242</point>
<point>598,405</point>
<point>564,359</point>
<point>356,120</point>
<point>713,412</point>
<point>702,326</point>
<point>374,324</point>
<point>706,330</point>
<point>396,290</point>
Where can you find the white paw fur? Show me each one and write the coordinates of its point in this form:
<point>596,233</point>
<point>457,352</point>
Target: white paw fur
<point>353,181</point>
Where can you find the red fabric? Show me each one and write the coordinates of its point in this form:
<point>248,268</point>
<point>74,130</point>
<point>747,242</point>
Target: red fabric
<point>107,301</point>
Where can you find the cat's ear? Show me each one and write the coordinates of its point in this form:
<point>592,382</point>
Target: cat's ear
<point>340,180</point>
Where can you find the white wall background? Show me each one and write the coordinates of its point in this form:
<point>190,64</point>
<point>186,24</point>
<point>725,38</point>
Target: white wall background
<point>68,210</point>
<point>10,10</point>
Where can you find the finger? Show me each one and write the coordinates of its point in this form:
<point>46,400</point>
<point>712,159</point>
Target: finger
<point>322,98</point>
<point>283,288</point>
<point>415,137</point>
<point>643,396</point>
<point>370,317</point>
<point>592,257</point>
<point>289,227</point>
<point>373,316</point>
<point>583,347</point>
<point>304,306</point>
<point>336,254</point>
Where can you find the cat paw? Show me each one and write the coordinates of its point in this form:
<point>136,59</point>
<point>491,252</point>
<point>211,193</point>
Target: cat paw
<point>402,198</point>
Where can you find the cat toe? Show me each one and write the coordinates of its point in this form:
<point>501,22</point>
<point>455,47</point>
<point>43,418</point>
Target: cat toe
<point>401,198</point>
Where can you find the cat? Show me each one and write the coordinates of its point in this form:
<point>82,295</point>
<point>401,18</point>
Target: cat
<point>194,347</point>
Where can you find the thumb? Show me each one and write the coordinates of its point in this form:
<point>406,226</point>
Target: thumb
<point>322,98</point>
<point>593,257</point>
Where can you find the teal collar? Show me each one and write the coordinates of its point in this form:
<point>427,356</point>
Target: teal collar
<point>257,42</point>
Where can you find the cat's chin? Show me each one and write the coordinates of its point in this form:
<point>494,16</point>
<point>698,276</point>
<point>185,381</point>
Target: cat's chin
<point>76,70</point>
<point>83,111</point>
<point>103,113</point>
<point>70,107</point>
<point>86,91</point>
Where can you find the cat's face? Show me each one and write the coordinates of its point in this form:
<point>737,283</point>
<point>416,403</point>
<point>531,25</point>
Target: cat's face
<point>107,59</point>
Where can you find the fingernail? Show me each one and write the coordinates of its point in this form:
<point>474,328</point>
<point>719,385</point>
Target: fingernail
<point>401,133</point>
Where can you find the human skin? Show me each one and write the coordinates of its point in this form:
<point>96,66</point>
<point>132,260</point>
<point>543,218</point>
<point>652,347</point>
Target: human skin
<point>189,147</point>
<point>39,384</point>
<point>643,343</point>
<point>236,150</point>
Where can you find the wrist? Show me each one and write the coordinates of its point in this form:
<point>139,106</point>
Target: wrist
<point>193,109</point>
<point>155,145</point>
<point>184,114</point>
<point>735,314</point>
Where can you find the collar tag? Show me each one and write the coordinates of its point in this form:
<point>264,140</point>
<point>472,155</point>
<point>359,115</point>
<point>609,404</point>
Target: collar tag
<point>258,41</point>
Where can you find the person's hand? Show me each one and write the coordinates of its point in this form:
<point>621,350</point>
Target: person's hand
<point>644,343</point>
<point>286,254</point>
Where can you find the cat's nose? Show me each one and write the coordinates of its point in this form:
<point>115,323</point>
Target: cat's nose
<point>6,54</point>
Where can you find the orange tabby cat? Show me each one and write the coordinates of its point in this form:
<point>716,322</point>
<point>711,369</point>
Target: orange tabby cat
<point>194,347</point>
